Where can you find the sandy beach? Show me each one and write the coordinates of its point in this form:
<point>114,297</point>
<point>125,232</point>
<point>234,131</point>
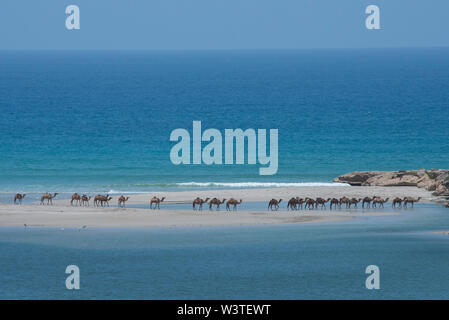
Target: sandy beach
<point>61,214</point>
<point>265,194</point>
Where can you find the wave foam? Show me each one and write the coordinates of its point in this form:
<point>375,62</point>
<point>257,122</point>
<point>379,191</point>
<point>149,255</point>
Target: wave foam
<point>261,184</point>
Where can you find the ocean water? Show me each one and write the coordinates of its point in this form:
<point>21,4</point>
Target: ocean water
<point>101,121</point>
<point>311,261</point>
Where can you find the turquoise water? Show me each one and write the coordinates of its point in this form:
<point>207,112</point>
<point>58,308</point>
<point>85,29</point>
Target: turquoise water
<point>101,121</point>
<point>315,261</point>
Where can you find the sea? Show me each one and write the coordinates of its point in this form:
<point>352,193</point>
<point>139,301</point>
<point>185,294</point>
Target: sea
<point>100,122</point>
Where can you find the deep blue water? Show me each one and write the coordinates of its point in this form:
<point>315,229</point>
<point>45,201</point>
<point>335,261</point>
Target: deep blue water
<point>314,261</point>
<point>101,121</point>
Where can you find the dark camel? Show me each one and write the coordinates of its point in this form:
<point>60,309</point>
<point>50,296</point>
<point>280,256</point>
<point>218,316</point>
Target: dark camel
<point>309,203</point>
<point>368,201</point>
<point>18,197</point>
<point>232,202</point>
<point>354,202</point>
<point>215,202</point>
<point>292,204</point>
<point>379,201</point>
<point>397,202</point>
<point>121,201</point>
<point>274,204</point>
<point>346,201</point>
<point>321,202</point>
<point>85,200</point>
<point>199,202</point>
<point>334,202</point>
<point>411,200</point>
<point>157,202</point>
<point>101,200</point>
<point>300,202</point>
<point>77,198</point>
<point>47,196</point>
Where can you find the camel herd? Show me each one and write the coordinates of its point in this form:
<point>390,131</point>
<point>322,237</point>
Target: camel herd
<point>198,202</point>
<point>231,204</point>
<point>334,203</point>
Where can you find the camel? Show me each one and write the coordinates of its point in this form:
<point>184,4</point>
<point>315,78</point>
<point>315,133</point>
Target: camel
<point>77,198</point>
<point>379,201</point>
<point>346,201</point>
<point>47,196</point>
<point>18,197</point>
<point>233,202</point>
<point>274,204</point>
<point>216,202</point>
<point>300,202</point>
<point>122,200</point>
<point>354,202</point>
<point>309,203</point>
<point>97,200</point>
<point>101,200</point>
<point>334,202</point>
<point>85,200</point>
<point>368,201</point>
<point>397,202</point>
<point>198,201</point>
<point>292,203</point>
<point>157,202</point>
<point>411,200</point>
<point>321,202</point>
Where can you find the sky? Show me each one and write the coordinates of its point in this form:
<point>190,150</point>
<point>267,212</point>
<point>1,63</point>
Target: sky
<point>222,24</point>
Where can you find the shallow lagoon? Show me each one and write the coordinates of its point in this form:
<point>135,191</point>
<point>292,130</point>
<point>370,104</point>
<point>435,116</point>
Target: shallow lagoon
<point>319,260</point>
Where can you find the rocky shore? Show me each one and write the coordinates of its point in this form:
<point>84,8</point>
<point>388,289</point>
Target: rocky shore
<point>433,180</point>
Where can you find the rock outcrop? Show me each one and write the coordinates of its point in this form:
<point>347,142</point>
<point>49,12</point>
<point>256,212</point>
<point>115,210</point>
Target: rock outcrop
<point>435,180</point>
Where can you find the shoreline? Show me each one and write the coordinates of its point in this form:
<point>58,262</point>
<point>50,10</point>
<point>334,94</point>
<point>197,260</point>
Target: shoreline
<point>62,214</point>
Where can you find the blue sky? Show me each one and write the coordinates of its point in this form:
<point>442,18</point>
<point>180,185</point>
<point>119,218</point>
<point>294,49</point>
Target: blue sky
<point>222,24</point>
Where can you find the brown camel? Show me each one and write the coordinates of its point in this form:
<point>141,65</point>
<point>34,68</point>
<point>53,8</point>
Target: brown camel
<point>47,196</point>
<point>292,203</point>
<point>157,202</point>
<point>346,201</point>
<point>321,202</point>
<point>97,200</point>
<point>122,200</point>
<point>85,200</point>
<point>199,202</point>
<point>18,197</point>
<point>215,202</point>
<point>309,203</point>
<point>233,202</point>
<point>379,201</point>
<point>411,200</point>
<point>354,202</point>
<point>368,201</point>
<point>334,202</point>
<point>77,198</point>
<point>300,202</point>
<point>274,204</point>
<point>101,200</point>
<point>397,202</point>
